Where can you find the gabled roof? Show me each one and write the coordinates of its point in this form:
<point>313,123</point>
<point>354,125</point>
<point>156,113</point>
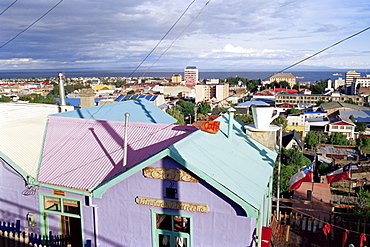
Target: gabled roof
<point>22,128</point>
<point>288,137</point>
<point>336,104</point>
<point>141,110</point>
<point>87,155</point>
<point>83,153</point>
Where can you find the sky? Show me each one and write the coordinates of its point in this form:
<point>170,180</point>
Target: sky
<point>233,35</point>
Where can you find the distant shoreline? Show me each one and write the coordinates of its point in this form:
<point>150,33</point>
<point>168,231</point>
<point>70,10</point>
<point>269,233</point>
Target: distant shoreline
<point>303,76</point>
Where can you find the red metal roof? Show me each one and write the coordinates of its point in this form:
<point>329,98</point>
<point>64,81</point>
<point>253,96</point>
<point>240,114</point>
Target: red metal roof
<point>82,153</point>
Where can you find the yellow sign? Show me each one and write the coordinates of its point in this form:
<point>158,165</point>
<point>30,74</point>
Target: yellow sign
<point>169,174</point>
<point>187,206</point>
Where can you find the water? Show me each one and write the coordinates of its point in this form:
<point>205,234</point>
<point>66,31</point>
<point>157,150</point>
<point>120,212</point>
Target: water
<point>251,75</point>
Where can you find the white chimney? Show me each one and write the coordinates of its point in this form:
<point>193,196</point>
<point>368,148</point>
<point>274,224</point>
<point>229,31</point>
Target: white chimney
<point>62,93</point>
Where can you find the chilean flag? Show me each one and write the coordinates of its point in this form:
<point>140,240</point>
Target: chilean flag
<point>339,175</point>
<point>303,176</point>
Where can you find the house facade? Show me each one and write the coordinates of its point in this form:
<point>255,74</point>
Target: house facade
<point>176,185</point>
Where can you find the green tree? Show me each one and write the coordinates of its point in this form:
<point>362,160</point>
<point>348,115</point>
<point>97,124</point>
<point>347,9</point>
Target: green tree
<point>363,141</point>
<point>281,121</point>
<point>319,87</point>
<point>4,98</point>
<point>245,118</point>
<point>319,102</point>
<point>350,101</point>
<point>175,112</point>
<point>204,108</point>
<point>294,157</point>
<point>360,126</point>
<point>186,107</point>
<point>337,138</point>
<point>312,137</point>
<point>292,111</point>
<point>363,196</point>
<point>286,172</point>
<point>25,98</point>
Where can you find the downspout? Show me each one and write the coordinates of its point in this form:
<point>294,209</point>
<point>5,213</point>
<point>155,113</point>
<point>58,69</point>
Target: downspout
<point>124,160</point>
<point>231,121</point>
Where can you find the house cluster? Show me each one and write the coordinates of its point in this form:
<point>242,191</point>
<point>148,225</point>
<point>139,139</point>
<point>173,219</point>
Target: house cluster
<point>123,174</point>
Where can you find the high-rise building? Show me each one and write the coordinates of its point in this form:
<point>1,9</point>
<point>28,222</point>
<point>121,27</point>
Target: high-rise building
<point>191,75</point>
<point>212,91</point>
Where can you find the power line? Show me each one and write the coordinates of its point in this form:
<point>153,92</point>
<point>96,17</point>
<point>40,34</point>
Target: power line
<point>33,23</point>
<point>169,30</point>
<point>177,37</point>
<point>317,53</point>
<point>8,7</point>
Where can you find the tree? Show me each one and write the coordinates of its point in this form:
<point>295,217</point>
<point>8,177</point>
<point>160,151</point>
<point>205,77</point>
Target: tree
<point>312,137</point>
<point>5,99</point>
<point>281,121</point>
<point>363,141</point>
<point>186,107</point>
<point>292,111</point>
<point>363,196</point>
<point>360,126</point>
<point>245,118</point>
<point>175,112</point>
<point>25,98</point>
<point>204,108</point>
<point>350,101</point>
<point>286,172</point>
<point>337,138</point>
<point>319,102</point>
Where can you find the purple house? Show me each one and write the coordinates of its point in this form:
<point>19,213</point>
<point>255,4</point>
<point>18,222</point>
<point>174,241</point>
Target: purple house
<point>105,183</point>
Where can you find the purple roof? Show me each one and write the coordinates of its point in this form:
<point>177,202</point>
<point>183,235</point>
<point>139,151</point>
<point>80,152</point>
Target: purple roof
<point>82,153</point>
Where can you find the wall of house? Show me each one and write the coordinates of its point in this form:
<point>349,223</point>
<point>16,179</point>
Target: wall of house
<point>16,201</point>
<point>123,222</point>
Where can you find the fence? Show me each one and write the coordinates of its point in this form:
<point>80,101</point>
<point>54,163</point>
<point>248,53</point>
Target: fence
<point>12,236</point>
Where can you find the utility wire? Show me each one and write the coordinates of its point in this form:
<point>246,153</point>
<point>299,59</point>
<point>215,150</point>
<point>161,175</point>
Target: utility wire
<point>177,37</point>
<point>162,38</point>
<point>317,53</point>
<point>8,7</point>
<point>33,23</point>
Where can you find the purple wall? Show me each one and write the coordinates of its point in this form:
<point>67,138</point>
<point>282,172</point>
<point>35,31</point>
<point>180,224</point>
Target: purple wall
<point>122,222</point>
<point>13,205</point>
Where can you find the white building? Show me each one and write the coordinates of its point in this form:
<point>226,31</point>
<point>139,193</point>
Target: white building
<point>191,76</point>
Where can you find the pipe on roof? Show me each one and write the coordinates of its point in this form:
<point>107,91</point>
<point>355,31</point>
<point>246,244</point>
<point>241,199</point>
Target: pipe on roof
<point>124,160</point>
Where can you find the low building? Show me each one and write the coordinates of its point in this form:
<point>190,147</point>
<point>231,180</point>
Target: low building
<point>314,98</point>
<point>108,182</point>
<point>287,77</point>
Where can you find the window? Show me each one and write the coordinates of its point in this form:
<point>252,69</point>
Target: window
<point>62,205</point>
<point>171,230</point>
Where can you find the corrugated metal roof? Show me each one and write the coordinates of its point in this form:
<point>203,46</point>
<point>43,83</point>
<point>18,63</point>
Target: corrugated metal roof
<point>82,153</point>
<point>241,164</point>
<point>22,128</point>
<point>140,110</point>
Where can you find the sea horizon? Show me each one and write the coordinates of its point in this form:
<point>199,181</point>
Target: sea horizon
<point>302,76</point>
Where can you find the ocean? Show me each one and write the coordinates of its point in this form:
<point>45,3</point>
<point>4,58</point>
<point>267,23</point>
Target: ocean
<point>303,76</point>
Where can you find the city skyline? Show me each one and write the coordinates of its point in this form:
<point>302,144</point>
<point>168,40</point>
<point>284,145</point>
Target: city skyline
<point>234,35</point>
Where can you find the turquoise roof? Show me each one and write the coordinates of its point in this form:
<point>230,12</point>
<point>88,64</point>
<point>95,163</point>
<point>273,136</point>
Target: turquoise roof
<point>141,111</point>
<point>243,169</point>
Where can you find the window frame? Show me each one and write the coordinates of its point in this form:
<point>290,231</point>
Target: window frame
<point>156,232</point>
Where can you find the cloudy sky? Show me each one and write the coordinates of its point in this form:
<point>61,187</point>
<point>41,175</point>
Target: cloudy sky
<point>222,35</point>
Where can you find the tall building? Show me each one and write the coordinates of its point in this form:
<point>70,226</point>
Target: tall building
<point>212,91</point>
<point>191,75</point>
<point>360,83</point>
<point>350,78</point>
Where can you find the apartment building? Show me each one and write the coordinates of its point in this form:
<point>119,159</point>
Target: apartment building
<point>313,98</point>
<point>208,91</point>
<point>191,75</point>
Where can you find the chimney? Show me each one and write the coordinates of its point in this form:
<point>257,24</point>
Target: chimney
<point>62,93</point>
<point>231,121</point>
<point>261,130</point>
<point>87,97</point>
<point>124,160</point>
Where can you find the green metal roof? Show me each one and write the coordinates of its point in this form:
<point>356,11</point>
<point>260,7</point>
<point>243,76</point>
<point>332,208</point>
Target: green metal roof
<point>239,166</point>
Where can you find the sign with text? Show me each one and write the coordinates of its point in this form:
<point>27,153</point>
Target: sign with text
<point>208,126</point>
<point>187,206</point>
<point>169,174</point>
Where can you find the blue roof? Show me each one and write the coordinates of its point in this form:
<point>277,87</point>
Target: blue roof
<point>75,101</point>
<point>254,102</point>
<point>359,116</point>
<point>140,110</point>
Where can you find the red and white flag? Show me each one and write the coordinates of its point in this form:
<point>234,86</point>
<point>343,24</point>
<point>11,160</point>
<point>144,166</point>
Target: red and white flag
<point>303,176</point>
<point>339,174</point>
